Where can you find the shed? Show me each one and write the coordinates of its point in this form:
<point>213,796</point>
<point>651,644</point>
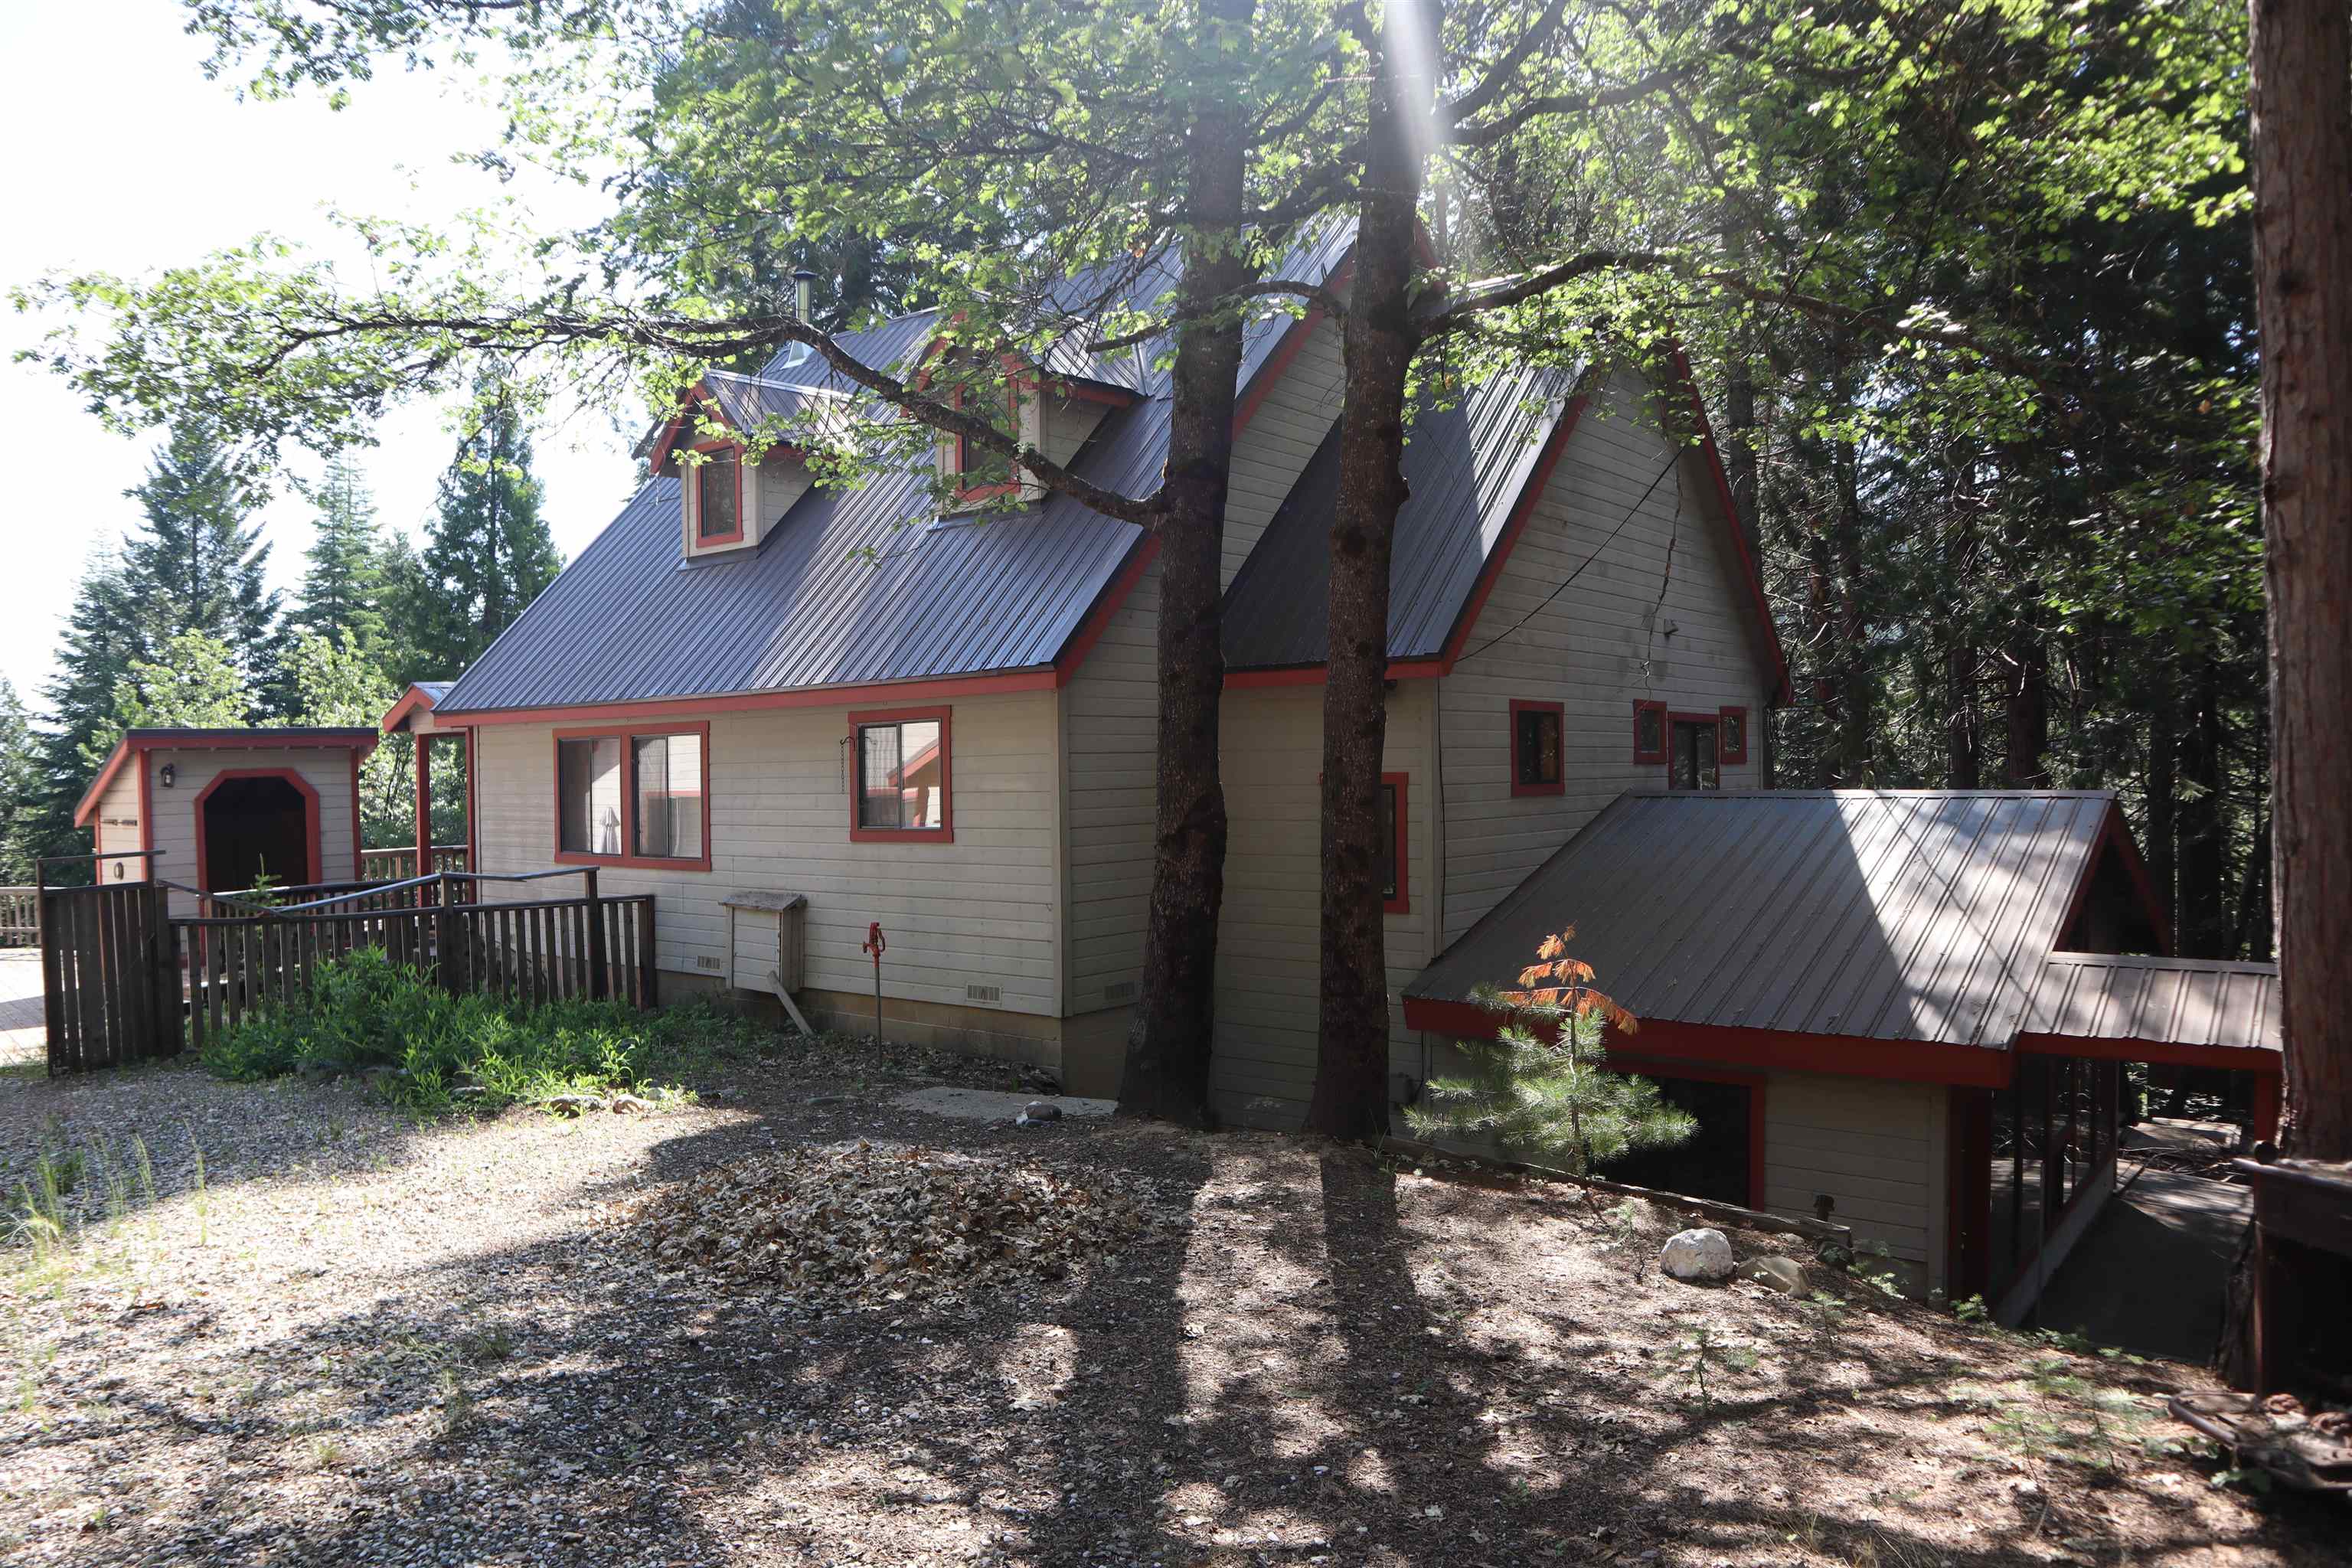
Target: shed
<point>221,807</point>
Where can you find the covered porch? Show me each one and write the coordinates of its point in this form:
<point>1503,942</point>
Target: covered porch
<point>429,851</point>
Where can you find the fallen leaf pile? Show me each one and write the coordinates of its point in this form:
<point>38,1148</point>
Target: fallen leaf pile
<point>855,1225</point>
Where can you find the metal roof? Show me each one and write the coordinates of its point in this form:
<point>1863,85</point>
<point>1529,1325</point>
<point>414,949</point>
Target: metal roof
<point>1891,915</point>
<point>1464,469</point>
<point>2172,1001</point>
<point>853,586</point>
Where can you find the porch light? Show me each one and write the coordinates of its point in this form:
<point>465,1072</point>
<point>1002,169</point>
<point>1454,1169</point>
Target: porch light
<point>169,774</point>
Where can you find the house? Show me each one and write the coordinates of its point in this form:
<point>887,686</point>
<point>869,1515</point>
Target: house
<point>944,724</point>
<point>215,809</point>
<point>755,693</point>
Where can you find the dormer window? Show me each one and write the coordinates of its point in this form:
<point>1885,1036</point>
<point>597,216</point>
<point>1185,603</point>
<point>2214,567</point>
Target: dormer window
<point>959,453</point>
<point>716,483</point>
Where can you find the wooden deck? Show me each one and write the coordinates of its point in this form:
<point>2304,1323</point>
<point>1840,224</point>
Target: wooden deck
<point>24,1036</point>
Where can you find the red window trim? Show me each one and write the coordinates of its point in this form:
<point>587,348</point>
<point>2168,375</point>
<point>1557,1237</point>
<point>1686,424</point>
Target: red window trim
<point>627,734</point>
<point>1723,717</point>
<point>1402,903</point>
<point>1559,714</point>
<point>718,540</point>
<point>973,494</point>
<point>1666,735</point>
<point>304,787</point>
<point>945,831</point>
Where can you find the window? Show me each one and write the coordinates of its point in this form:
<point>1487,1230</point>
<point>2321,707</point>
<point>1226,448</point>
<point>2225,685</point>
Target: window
<point>1731,742</point>
<point>634,797</point>
<point>1649,732</point>
<point>667,770</point>
<point>588,790</point>
<point>1535,749</point>
<point>1395,894</point>
<point>900,785</point>
<point>959,446</point>
<point>1692,765</point>
<point>718,484</point>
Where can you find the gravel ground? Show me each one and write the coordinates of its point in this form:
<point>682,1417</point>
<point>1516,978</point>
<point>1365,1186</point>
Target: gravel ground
<point>362,1341</point>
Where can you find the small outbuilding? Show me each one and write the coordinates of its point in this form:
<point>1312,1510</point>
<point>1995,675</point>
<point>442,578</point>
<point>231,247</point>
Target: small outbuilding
<point>1912,1006</point>
<point>220,808</point>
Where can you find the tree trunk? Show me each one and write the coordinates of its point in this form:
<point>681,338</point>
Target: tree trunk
<point>1351,1059</point>
<point>1964,754</point>
<point>2301,101</point>
<point>2201,918</point>
<point>2029,712</point>
<point>1169,1038</point>
<point>2163,742</point>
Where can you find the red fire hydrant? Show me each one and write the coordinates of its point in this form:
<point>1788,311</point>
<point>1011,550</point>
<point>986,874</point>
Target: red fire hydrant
<point>875,944</point>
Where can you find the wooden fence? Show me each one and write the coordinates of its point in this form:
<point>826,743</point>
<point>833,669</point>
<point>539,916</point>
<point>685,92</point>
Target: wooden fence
<point>534,951</point>
<point>398,865</point>
<point>20,917</point>
<point>106,978</point>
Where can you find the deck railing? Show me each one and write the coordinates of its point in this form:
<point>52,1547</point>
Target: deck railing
<point>395,865</point>
<point>20,917</point>
<point>525,948</point>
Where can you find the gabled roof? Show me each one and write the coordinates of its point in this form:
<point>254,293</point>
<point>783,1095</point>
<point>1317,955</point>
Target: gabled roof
<point>1882,916</point>
<point>422,696</point>
<point>1468,468</point>
<point>2229,1005</point>
<point>852,587</point>
<point>361,738</point>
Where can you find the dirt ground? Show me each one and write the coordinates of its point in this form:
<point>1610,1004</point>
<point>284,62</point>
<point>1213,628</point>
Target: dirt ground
<point>361,1341</point>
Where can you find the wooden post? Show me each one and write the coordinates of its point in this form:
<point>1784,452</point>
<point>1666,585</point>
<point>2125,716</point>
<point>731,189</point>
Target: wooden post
<point>445,963</point>
<point>425,812</point>
<point>649,987</point>
<point>599,981</point>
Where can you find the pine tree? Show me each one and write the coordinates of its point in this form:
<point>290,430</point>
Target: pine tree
<point>487,552</point>
<point>102,638</point>
<point>193,682</point>
<point>1542,1089</point>
<point>195,566</point>
<point>343,587</point>
<point>20,788</point>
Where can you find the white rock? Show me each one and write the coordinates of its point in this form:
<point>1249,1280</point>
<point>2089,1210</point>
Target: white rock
<point>1698,1255</point>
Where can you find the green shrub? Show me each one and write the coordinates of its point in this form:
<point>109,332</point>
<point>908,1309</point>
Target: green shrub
<point>362,1011</point>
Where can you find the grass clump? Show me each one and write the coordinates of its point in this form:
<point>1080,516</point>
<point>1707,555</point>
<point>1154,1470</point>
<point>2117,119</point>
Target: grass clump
<point>445,1052</point>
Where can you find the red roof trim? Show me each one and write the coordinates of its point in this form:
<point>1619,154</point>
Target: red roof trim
<point>2114,838</point>
<point>1750,571</point>
<point>1107,604</point>
<point>2268,1060</point>
<point>1465,620</point>
<point>941,687</point>
<point>1294,338</point>
<point>312,875</point>
<point>1662,1041</point>
<point>415,699</point>
<point>362,740</point>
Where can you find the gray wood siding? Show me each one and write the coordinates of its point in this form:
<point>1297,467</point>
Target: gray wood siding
<point>980,911</point>
<point>1110,721</point>
<point>1112,704</point>
<point>1596,648</point>
<point>1873,1145</point>
<point>116,830</point>
<point>326,770</point>
<point>1269,939</point>
<point>1284,433</point>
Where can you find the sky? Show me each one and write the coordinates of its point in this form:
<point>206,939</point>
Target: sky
<point>163,168</point>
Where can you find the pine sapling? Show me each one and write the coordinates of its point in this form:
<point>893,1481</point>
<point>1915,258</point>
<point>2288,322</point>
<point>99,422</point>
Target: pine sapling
<point>1542,1089</point>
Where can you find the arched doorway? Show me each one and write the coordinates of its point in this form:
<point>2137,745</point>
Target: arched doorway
<point>257,820</point>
